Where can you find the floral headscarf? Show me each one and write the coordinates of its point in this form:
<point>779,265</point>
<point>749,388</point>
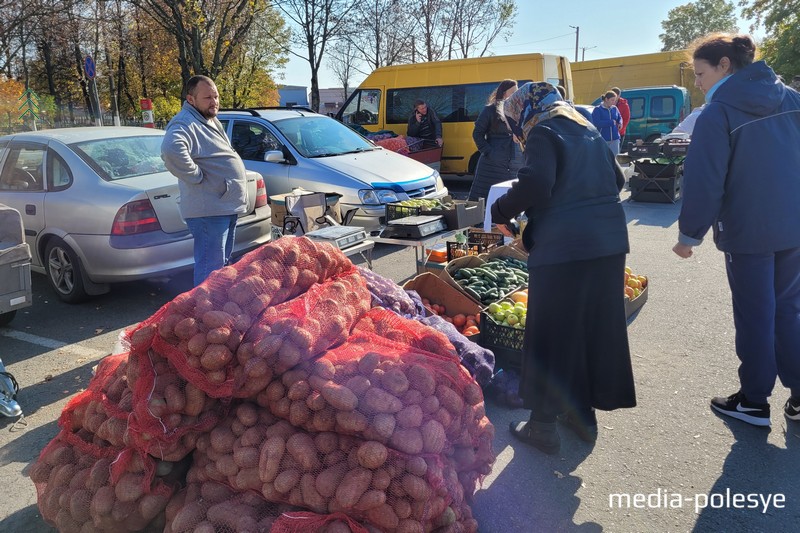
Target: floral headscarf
<point>536,102</point>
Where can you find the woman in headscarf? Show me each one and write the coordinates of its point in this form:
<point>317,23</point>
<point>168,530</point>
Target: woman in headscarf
<point>500,155</point>
<point>576,355</point>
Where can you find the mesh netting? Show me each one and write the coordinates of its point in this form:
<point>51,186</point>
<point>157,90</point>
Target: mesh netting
<point>216,508</point>
<point>169,413</point>
<point>393,327</point>
<point>207,324</point>
<point>82,486</point>
<point>327,472</point>
<point>299,330</point>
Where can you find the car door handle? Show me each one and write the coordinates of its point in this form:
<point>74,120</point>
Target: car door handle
<point>30,209</point>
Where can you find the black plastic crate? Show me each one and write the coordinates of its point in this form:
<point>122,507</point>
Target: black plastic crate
<point>494,334</point>
<point>462,249</point>
<point>657,190</point>
<point>395,211</point>
<point>487,240</point>
<point>651,169</point>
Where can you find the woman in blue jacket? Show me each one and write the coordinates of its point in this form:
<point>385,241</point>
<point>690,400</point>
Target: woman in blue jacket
<point>608,121</point>
<point>742,179</point>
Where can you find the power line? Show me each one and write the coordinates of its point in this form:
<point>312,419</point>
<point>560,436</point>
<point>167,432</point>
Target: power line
<point>534,42</point>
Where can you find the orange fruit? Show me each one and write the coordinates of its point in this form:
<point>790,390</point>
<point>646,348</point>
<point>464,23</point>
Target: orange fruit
<point>472,330</point>
<point>459,320</point>
<point>629,292</point>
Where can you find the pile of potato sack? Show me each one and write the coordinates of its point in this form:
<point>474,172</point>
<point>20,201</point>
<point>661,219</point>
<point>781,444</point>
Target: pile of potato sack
<point>276,396</point>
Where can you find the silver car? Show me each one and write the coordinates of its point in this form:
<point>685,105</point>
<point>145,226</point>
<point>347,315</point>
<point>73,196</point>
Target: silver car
<point>297,148</point>
<point>98,207</point>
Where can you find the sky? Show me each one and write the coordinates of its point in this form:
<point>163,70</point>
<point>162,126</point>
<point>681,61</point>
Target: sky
<point>631,28</point>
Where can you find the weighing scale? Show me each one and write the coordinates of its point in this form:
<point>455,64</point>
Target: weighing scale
<point>340,236</point>
<point>415,227</point>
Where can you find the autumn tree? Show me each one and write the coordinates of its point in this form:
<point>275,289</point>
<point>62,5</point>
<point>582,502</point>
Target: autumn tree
<point>781,47</point>
<point>686,23</point>
<point>10,91</point>
<point>208,34</point>
<point>381,31</point>
<point>476,24</point>
<point>249,79</point>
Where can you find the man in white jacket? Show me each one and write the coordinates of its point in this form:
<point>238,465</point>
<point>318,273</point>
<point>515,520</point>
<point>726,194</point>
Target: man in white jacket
<point>211,176</point>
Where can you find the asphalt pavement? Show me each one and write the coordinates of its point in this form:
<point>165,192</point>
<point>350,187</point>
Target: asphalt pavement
<point>668,465</point>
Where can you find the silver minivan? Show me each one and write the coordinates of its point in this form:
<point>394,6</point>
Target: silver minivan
<point>294,148</point>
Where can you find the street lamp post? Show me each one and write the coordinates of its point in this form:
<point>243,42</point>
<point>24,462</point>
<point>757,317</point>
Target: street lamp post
<point>577,40</point>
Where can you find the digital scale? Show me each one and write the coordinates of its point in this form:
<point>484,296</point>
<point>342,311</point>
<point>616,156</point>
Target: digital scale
<point>415,227</point>
<point>340,236</point>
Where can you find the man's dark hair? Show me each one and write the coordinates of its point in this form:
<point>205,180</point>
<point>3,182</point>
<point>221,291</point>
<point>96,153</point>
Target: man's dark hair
<point>418,103</point>
<point>194,81</point>
<point>616,90</point>
<point>562,91</point>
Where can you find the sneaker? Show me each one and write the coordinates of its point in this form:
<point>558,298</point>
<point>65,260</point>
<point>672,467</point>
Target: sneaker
<point>792,408</point>
<point>737,406</point>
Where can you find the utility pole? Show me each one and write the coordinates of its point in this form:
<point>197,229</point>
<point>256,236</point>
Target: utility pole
<point>583,51</point>
<point>577,40</point>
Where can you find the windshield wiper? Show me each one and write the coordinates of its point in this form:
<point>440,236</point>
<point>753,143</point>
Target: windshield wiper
<point>359,150</point>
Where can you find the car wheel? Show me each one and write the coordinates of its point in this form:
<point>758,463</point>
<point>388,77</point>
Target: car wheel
<point>64,272</point>
<point>6,318</point>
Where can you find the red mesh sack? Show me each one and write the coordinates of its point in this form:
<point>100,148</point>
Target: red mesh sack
<point>390,325</point>
<point>306,522</point>
<point>206,324</point>
<point>169,413</point>
<point>373,388</point>
<point>83,486</point>
<point>104,407</point>
<point>328,473</point>
<point>215,508</point>
<point>299,330</point>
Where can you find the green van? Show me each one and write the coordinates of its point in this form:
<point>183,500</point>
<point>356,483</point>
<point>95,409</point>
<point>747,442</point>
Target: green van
<point>655,111</point>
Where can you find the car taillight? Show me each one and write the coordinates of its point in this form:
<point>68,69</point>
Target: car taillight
<point>261,193</point>
<point>135,217</point>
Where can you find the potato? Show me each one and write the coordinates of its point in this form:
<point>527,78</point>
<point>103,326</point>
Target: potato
<point>188,517</point>
<point>195,400</point>
<point>186,328</point>
<point>410,417</point>
<point>130,487</point>
<point>372,455</point>
<point>269,461</point>
<point>353,485</point>
<point>286,480</point>
<point>421,379</point>
<point>176,401</point>
<point>328,480</point>
<point>79,503</point>
<point>302,449</point>
<point>216,319</point>
<point>351,422</point>
<point>415,487</point>
<point>246,457</point>
<point>216,357</point>
<point>433,437</point>
<point>339,397</point>
<point>197,344</point>
<point>395,381</point>
<point>450,399</point>
<point>324,420</point>
<point>221,335</point>
<point>383,516</point>
<point>379,401</point>
<point>407,440</point>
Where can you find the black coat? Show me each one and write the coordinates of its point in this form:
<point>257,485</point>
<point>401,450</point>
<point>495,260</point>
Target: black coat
<point>569,189</point>
<point>500,156</point>
<point>429,128</point>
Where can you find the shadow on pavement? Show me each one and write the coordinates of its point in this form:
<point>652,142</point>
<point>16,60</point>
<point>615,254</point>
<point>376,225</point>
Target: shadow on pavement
<point>756,470</point>
<point>32,397</point>
<point>27,520</point>
<point>651,213</point>
<point>529,490</point>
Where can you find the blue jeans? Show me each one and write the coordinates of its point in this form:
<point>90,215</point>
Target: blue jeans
<point>213,243</point>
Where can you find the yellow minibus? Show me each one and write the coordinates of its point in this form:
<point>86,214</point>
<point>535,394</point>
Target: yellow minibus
<point>457,90</point>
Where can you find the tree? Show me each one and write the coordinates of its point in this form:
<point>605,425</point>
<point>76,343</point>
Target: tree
<point>781,47</point>
<point>686,23</point>
<point>208,34</point>
<point>477,23</point>
<point>10,91</point>
<point>342,62</point>
<point>316,23</point>
<point>382,33</point>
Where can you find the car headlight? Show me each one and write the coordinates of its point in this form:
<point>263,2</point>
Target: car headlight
<point>439,180</point>
<point>377,196</point>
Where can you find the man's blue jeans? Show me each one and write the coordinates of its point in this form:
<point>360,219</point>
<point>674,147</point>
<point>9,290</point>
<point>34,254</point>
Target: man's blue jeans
<point>213,243</point>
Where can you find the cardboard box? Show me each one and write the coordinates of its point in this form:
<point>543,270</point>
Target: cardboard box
<point>278,205</point>
<point>469,261</point>
<point>438,291</point>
